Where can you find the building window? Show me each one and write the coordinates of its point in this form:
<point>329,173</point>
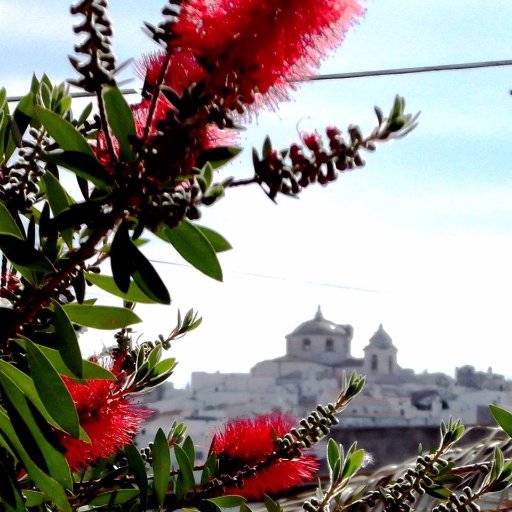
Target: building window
<point>374,363</point>
<point>329,345</point>
<point>306,344</point>
<point>391,365</point>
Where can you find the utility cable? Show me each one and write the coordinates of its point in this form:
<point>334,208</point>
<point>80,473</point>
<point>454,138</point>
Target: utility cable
<point>351,74</point>
<point>280,278</point>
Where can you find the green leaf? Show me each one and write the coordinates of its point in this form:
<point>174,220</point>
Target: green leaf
<point>21,412</point>
<point>121,260</point>
<point>21,253</point>
<point>59,200</point>
<point>163,368</point>
<point>353,463</point>
<point>136,464</point>
<point>24,257</point>
<point>126,260</point>
<point>67,341</point>
<point>333,454</point>
<point>186,474</point>
<point>161,466</point>
<point>228,501</point>
<point>120,121</point>
<point>271,505</point>
<point>100,317</point>
<point>44,482</point>
<point>148,279</point>
<point>438,492</point>
<point>503,418</point>
<point>52,390</point>
<point>117,497</point>
<point>218,156</point>
<point>26,384</point>
<point>7,223</point>
<point>155,355</point>
<point>194,247</point>
<point>83,165</point>
<point>188,448</point>
<point>84,115</point>
<point>33,498</point>
<point>64,133</point>
<point>217,241</point>
<point>90,370</point>
<point>107,283</point>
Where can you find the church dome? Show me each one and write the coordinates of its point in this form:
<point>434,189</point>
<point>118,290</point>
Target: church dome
<point>320,326</point>
<point>381,339</point>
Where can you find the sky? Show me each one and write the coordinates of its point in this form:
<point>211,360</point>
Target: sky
<point>420,239</point>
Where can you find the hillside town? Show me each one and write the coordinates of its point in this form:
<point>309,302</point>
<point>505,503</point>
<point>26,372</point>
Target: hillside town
<point>318,353</point>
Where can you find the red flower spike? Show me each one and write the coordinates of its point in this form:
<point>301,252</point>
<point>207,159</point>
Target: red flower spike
<point>108,417</point>
<point>248,441</point>
<point>264,44</point>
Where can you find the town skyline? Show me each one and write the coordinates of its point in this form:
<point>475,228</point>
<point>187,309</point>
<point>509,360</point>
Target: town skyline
<point>420,239</point>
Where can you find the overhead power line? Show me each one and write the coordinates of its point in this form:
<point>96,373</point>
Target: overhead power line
<point>281,278</point>
<point>409,71</point>
<point>352,74</point>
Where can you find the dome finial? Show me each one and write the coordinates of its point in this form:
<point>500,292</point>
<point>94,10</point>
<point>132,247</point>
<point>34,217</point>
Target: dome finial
<point>318,315</point>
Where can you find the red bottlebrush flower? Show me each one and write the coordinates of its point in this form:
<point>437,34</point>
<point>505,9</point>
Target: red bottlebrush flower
<point>248,441</point>
<point>108,417</point>
<point>260,44</point>
<point>182,72</point>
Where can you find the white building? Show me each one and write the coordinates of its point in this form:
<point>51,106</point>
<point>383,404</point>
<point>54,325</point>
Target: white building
<point>318,353</point>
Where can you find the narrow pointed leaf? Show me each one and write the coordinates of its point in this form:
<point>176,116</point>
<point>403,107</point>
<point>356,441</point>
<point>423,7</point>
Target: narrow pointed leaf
<point>217,241</point>
<point>228,501</point>
<point>136,464</point>
<point>33,498</point>
<point>26,385</point>
<point>333,454</point>
<point>120,121</point>
<point>188,448</point>
<point>55,461</point>
<point>117,497</point>
<point>121,258</point>
<point>107,283</point>
<point>46,483</point>
<point>219,156</point>
<point>194,247</point>
<point>161,466</point>
<point>148,279</point>
<point>52,390</point>
<point>503,418</point>
<point>90,370</point>
<point>67,341</point>
<point>100,317</point>
<point>21,253</point>
<point>84,165</point>
<point>59,200</point>
<point>64,133</point>
<point>186,474</point>
<point>353,464</point>
<point>7,223</point>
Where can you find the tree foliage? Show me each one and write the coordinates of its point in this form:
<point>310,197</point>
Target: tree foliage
<point>67,424</point>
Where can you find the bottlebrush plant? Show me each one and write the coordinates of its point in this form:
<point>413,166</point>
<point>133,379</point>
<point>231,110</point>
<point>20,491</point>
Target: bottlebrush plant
<point>67,424</point>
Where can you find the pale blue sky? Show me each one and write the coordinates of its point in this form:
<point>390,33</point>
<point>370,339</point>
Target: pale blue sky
<point>426,226</point>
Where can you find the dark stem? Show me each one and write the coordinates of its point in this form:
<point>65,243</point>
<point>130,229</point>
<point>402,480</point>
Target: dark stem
<point>246,181</point>
<point>155,96</point>
<point>104,125</point>
<point>41,296</point>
